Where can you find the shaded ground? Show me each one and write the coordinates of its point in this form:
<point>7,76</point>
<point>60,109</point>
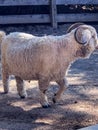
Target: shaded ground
<point>79,104</point>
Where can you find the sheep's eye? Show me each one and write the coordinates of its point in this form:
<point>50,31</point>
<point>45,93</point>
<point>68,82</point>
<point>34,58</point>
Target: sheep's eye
<point>93,36</point>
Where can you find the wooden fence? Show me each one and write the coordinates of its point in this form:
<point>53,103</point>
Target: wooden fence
<point>53,17</point>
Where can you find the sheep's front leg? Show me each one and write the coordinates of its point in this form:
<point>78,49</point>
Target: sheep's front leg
<point>63,85</point>
<point>43,85</point>
<point>20,87</point>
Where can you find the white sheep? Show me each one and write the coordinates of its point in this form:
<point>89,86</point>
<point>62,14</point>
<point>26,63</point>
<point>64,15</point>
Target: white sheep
<point>44,58</point>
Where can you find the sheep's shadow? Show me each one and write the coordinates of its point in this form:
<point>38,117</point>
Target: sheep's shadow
<point>30,115</point>
<point>57,117</point>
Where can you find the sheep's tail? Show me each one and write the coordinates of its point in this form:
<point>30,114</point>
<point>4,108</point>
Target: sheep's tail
<point>2,35</point>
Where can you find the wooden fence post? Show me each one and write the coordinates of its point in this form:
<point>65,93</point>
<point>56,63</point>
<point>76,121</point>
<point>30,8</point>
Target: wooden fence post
<point>53,13</point>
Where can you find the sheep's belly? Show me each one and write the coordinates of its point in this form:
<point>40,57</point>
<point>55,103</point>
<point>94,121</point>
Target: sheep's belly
<point>36,76</point>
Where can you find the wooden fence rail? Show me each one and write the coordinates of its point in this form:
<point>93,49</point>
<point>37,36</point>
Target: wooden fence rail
<point>53,17</point>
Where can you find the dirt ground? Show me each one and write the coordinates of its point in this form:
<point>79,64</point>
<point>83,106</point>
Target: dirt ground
<point>77,108</point>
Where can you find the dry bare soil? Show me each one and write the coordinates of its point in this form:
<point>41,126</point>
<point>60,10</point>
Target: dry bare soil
<point>77,108</point>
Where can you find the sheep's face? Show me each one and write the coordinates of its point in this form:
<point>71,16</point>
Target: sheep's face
<point>86,37</point>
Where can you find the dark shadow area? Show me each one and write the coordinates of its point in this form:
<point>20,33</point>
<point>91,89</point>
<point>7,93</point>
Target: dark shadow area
<point>57,117</point>
<point>45,9</point>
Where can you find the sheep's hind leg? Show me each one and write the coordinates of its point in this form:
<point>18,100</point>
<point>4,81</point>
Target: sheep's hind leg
<point>5,79</point>
<point>63,85</point>
<point>43,85</point>
<point>20,87</point>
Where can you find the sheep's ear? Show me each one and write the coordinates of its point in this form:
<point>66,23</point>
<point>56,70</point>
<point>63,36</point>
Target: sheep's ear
<point>73,26</point>
<point>82,35</point>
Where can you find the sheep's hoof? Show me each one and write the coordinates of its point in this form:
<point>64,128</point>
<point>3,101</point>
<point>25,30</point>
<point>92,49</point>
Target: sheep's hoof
<point>54,100</point>
<point>5,92</point>
<point>23,96</point>
<point>46,106</point>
